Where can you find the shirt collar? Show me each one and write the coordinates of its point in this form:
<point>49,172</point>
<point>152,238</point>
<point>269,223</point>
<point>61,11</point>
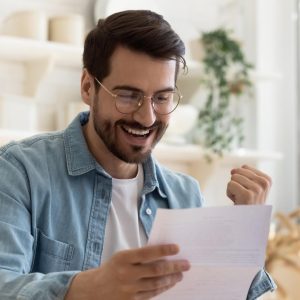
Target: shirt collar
<point>79,158</point>
<point>151,179</point>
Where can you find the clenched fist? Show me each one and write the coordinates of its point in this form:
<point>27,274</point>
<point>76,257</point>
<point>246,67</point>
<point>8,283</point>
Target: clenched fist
<point>248,186</point>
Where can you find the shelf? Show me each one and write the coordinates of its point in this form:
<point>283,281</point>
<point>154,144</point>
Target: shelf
<point>195,153</point>
<point>28,50</point>
<point>39,58</point>
<point>191,159</point>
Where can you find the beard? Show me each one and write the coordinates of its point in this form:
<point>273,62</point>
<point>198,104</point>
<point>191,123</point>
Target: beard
<point>106,130</point>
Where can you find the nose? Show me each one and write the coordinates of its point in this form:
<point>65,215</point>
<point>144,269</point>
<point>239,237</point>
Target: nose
<point>145,115</point>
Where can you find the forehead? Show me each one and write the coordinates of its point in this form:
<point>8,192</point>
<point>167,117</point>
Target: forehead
<point>139,69</point>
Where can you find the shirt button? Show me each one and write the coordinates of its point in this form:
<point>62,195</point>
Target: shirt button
<point>148,211</point>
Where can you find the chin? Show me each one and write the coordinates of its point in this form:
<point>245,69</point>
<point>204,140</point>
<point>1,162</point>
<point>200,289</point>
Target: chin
<point>132,154</point>
<point>136,155</point>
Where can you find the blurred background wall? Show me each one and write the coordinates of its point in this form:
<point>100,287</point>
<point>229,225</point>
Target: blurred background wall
<point>39,81</point>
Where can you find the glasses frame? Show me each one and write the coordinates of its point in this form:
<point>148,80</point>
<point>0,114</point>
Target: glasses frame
<point>141,100</point>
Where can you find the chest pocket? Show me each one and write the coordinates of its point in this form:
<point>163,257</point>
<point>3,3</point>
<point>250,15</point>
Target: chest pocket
<point>51,255</point>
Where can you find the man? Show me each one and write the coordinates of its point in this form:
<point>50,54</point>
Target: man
<point>77,206</point>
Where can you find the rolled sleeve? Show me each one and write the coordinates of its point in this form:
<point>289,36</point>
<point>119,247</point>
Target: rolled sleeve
<point>261,284</point>
<point>34,286</point>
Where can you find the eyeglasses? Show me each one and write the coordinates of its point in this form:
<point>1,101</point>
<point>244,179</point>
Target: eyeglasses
<point>128,101</point>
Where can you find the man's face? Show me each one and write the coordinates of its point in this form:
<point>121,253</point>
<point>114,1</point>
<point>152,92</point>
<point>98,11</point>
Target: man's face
<point>131,137</point>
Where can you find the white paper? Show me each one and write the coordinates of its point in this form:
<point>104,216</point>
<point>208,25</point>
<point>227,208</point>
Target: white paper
<point>224,245</point>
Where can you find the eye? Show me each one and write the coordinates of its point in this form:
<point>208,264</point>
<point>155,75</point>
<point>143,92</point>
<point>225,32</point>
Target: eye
<point>126,95</point>
<point>163,97</point>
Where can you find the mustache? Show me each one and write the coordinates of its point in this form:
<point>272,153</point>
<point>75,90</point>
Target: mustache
<point>136,125</point>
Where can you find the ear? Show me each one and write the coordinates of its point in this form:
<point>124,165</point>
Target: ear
<point>86,87</point>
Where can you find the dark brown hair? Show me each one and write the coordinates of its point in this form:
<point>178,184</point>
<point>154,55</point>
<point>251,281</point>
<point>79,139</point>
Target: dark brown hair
<point>138,30</point>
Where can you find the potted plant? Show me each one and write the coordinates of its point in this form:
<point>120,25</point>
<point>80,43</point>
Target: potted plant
<point>225,78</point>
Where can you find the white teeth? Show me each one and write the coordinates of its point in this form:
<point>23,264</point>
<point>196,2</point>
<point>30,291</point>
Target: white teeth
<point>135,131</point>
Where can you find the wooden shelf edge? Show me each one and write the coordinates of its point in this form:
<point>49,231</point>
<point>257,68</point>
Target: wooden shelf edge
<point>26,50</point>
<point>195,153</point>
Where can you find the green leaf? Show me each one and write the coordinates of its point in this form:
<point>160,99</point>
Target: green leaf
<point>225,76</point>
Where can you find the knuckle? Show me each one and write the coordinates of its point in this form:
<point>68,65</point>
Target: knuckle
<point>235,177</point>
<point>176,267</point>
<point>266,184</point>
<point>163,281</point>
<point>256,190</point>
<point>158,269</point>
<point>170,279</point>
<point>166,250</point>
<point>267,178</point>
<point>158,283</point>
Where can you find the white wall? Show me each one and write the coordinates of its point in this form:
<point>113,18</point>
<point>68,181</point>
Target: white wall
<point>277,99</point>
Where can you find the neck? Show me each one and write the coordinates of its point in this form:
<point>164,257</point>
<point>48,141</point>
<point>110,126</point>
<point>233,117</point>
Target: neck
<point>110,163</point>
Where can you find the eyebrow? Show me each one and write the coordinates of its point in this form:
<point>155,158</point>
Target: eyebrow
<point>131,88</point>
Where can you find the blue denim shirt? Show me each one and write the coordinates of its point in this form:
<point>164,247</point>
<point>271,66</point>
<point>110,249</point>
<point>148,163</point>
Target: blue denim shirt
<point>54,203</point>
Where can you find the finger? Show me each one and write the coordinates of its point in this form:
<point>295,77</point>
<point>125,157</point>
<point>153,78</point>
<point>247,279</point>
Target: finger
<point>146,254</point>
<point>252,181</point>
<point>243,181</point>
<point>257,172</point>
<point>251,172</point>
<point>160,268</point>
<point>238,194</point>
<point>151,284</point>
<point>151,294</point>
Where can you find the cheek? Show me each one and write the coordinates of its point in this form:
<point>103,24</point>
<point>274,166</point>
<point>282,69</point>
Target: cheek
<point>163,122</point>
<point>164,119</point>
<point>103,109</point>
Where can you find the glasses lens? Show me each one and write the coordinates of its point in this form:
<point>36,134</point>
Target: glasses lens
<point>128,101</point>
<point>165,103</point>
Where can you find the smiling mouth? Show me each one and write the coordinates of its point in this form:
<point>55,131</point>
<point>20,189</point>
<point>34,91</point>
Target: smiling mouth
<point>143,133</point>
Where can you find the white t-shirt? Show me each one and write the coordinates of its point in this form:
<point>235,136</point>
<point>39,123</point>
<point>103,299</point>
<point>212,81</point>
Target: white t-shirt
<point>123,228</point>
